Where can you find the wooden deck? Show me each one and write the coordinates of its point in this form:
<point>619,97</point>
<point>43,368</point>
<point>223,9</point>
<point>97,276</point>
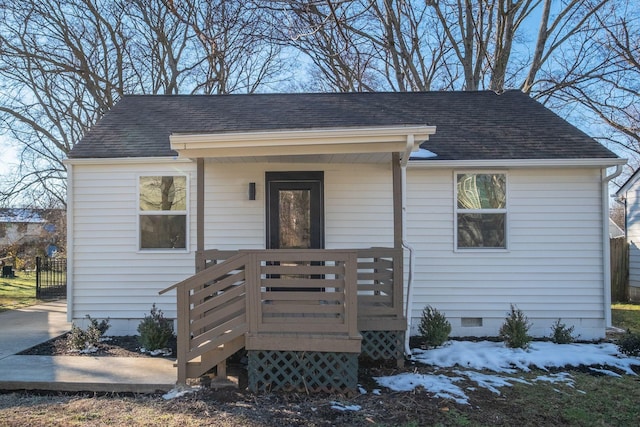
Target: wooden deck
<point>284,300</point>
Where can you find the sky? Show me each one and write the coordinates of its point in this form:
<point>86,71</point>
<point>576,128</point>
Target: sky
<point>8,156</point>
<point>485,364</point>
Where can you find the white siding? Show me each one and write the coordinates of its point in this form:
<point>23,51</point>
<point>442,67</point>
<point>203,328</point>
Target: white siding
<point>552,267</point>
<point>111,277</point>
<point>358,204</point>
<point>633,238</point>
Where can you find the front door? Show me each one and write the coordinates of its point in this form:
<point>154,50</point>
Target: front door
<point>295,208</point>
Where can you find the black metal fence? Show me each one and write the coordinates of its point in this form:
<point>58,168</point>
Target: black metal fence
<point>51,277</point>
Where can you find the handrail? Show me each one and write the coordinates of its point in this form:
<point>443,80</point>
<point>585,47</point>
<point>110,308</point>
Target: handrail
<point>211,271</point>
<point>211,308</point>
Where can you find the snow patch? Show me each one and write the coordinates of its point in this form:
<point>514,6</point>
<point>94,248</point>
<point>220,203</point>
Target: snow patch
<point>342,407</point>
<point>471,357</point>
<point>179,392</point>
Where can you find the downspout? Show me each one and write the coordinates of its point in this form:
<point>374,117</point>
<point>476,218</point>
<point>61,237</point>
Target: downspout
<point>403,184</point>
<point>606,248</point>
<point>70,240</point>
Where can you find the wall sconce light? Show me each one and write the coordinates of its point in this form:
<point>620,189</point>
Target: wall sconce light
<point>252,191</point>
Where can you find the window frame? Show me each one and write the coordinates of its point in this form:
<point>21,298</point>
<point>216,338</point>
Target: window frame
<point>503,211</point>
<point>184,212</point>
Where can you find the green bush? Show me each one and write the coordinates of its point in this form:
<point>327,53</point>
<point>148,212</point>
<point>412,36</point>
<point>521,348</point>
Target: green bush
<point>155,330</point>
<point>561,334</point>
<point>81,339</point>
<point>514,330</point>
<point>629,344</point>
<point>434,327</point>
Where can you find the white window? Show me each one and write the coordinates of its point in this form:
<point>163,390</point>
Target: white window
<point>481,210</point>
<point>162,212</point>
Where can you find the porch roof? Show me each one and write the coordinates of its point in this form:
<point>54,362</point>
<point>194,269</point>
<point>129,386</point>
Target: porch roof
<point>301,142</point>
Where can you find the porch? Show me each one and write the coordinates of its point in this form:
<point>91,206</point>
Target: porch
<point>304,313</point>
<point>286,307</point>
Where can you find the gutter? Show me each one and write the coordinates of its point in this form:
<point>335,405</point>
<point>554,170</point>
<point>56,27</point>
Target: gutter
<point>518,163</point>
<point>606,248</point>
<point>403,180</point>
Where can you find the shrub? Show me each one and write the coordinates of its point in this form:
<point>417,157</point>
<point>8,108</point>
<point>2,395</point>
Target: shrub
<point>80,339</point>
<point>155,330</point>
<point>629,344</point>
<point>434,327</point>
<point>561,334</point>
<point>514,329</point>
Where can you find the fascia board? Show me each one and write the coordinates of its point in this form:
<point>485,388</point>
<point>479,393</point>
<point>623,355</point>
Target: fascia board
<point>518,163</point>
<point>126,160</point>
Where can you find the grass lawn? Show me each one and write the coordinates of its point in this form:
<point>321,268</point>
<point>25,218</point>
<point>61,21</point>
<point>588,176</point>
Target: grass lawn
<point>17,292</point>
<point>626,316</point>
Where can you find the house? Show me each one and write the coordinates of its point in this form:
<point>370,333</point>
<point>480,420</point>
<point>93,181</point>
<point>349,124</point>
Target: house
<point>629,195</point>
<point>27,233</point>
<point>308,222</point>
<point>19,226</point>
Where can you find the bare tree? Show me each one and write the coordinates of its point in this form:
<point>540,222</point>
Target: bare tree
<point>613,95</point>
<point>60,71</point>
<point>234,44</point>
<point>64,63</point>
<point>364,45</point>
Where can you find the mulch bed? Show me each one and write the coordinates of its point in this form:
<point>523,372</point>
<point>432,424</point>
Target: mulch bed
<point>119,346</point>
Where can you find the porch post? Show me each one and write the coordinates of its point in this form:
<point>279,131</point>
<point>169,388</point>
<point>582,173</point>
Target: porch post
<point>200,204</point>
<point>397,200</point>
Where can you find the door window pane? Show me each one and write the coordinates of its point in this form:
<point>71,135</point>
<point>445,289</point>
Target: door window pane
<point>295,219</point>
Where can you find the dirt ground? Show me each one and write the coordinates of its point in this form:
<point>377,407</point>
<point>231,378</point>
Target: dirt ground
<point>517,405</point>
<point>120,346</point>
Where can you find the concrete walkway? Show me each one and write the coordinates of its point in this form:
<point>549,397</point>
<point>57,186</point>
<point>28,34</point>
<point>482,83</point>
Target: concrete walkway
<point>24,328</point>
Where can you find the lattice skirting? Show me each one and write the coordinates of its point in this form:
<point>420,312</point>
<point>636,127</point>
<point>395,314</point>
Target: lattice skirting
<point>383,345</point>
<point>302,371</point>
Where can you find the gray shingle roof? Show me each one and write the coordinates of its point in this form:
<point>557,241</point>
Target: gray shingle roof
<point>470,125</point>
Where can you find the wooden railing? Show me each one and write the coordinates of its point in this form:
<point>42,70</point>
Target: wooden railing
<point>380,285</point>
<point>293,300</point>
<point>380,290</point>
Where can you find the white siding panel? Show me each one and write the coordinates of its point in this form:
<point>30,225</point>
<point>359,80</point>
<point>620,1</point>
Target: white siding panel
<point>633,237</point>
<point>111,277</point>
<point>552,267</point>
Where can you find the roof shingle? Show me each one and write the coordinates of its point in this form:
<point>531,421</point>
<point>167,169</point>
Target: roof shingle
<point>470,125</point>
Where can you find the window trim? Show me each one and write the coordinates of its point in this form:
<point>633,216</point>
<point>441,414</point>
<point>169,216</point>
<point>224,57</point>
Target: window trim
<point>140,213</point>
<point>457,210</point>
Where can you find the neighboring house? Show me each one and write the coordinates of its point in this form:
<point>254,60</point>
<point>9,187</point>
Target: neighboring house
<point>629,195</point>
<point>501,203</point>
<point>614,230</point>
<point>18,226</point>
